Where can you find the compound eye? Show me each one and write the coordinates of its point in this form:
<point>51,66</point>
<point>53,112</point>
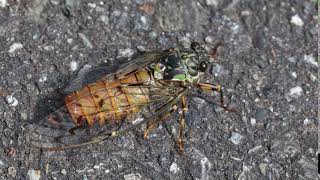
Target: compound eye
<point>203,66</point>
<point>195,45</point>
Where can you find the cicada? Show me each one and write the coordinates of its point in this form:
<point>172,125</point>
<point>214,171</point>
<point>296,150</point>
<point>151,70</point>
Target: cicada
<point>145,90</point>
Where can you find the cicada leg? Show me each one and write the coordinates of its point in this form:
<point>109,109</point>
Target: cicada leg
<point>212,87</point>
<point>182,124</point>
<point>71,131</point>
<point>153,124</point>
<point>150,127</point>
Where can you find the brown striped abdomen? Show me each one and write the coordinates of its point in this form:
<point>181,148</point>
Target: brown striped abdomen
<point>107,100</point>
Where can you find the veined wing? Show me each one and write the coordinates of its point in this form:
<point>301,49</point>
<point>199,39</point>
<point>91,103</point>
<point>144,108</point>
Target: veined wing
<point>148,111</point>
<point>119,72</point>
<point>140,62</point>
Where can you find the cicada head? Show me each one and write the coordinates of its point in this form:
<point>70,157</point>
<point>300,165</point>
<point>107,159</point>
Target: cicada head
<point>186,64</point>
<point>195,61</point>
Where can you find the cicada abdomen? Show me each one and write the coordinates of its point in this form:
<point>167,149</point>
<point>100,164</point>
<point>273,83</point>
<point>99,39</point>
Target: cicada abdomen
<point>109,100</point>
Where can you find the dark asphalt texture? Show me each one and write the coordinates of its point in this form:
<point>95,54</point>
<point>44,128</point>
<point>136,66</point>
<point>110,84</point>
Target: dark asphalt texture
<point>268,68</point>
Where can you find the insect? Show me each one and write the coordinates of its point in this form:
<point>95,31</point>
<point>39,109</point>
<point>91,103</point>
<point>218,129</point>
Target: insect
<point>145,90</point>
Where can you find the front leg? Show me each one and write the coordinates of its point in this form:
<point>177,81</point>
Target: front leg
<point>211,87</point>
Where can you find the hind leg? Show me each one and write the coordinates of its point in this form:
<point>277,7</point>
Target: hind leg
<point>153,124</point>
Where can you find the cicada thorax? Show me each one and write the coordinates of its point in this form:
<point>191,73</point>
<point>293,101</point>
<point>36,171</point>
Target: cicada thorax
<point>109,99</point>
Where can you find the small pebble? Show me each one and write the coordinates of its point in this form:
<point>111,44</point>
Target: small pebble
<point>212,2</point>
<point>85,177</point>
<point>310,59</point>
<point>73,66</point>
<point>296,91</point>
<point>134,176</point>
<point>107,171</point>
<point>126,52</point>
<point>104,19</point>
<point>307,121</point>
<point>253,121</point>
<point>64,171</point>
<point>313,78</point>
<point>96,167</point>
<point>55,2</point>
<point>263,168</point>
<point>236,138</point>
<point>48,48</point>
<point>90,170</point>
<point>152,35</point>
<point>69,40</point>
<point>174,168</point>
<point>12,101</point>
<point>245,13</point>
<point>143,20</point>
<point>92,5</point>
<point>296,20</point>
<point>24,116</point>
<point>85,40</point>
<point>43,78</point>
<point>294,75</point>
<point>14,47</point>
<point>3,3</point>
<point>12,171</point>
<point>209,40</point>
<point>34,174</point>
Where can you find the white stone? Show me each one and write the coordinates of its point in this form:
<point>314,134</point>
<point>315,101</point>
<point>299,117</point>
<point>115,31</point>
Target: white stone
<point>294,75</point>
<point>296,20</point>
<point>236,138</point>
<point>310,59</point>
<point>73,66</point>
<point>174,168</point>
<point>313,78</point>
<point>107,171</point>
<point>92,5</point>
<point>126,52</point>
<point>3,3</point>
<point>296,91</point>
<point>34,174</point>
<point>64,171</point>
<point>134,176</point>
<point>104,19</point>
<point>14,47</point>
<point>253,121</point>
<point>212,2</point>
<point>143,19</point>
<point>209,40</point>
<point>69,40</point>
<point>43,78</point>
<point>12,101</point>
<point>307,121</point>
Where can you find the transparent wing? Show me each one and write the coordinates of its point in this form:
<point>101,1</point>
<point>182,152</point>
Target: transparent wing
<point>160,104</point>
<point>119,72</point>
<point>89,76</point>
<point>140,62</point>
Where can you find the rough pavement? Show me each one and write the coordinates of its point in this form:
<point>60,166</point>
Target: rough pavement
<point>268,68</point>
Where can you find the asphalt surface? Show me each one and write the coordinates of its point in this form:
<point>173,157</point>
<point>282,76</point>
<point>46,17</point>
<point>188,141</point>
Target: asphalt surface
<point>267,66</point>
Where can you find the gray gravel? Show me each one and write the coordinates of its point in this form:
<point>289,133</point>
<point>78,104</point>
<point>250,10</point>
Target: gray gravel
<point>267,66</point>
